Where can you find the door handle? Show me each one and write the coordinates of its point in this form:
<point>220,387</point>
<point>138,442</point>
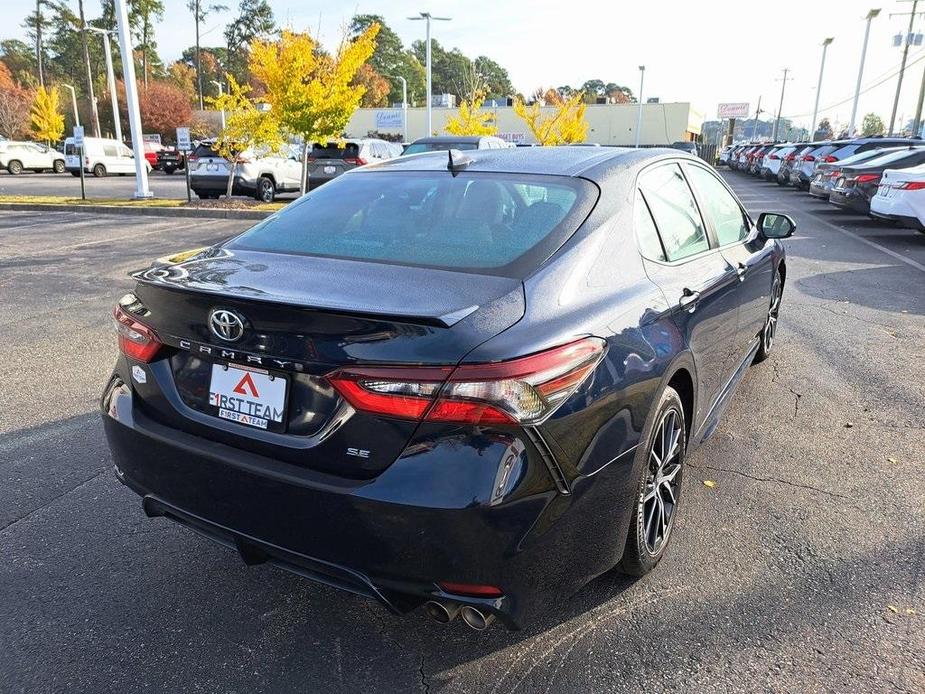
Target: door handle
<point>741,271</point>
<point>689,300</point>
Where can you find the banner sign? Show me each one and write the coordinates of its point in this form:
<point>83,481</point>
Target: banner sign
<point>391,118</point>
<point>736,110</point>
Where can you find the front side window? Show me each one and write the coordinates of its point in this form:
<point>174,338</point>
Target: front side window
<point>719,206</point>
<point>675,211</point>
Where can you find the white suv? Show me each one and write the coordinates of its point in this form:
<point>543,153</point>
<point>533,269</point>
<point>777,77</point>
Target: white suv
<point>260,174</point>
<point>17,157</point>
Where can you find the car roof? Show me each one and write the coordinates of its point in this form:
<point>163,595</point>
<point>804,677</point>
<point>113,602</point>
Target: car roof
<point>556,161</point>
<point>473,139</point>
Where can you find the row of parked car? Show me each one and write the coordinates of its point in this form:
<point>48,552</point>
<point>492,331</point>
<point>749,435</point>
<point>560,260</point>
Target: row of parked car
<point>882,177</point>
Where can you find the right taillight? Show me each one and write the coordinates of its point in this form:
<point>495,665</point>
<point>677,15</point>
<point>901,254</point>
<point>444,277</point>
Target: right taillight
<point>809,157</point>
<point>910,185</point>
<point>520,391</point>
<point>136,340</point>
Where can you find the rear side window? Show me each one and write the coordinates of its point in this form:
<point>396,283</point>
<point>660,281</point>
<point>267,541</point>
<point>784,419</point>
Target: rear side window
<point>350,150</point>
<point>646,233</point>
<point>418,147</point>
<point>675,211</point>
<point>504,224</point>
<point>110,151</point>
<point>719,206</point>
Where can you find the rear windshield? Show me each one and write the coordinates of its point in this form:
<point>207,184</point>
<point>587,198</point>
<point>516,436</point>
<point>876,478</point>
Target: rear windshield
<point>350,150</point>
<point>891,157</point>
<point>205,150</point>
<point>500,224</point>
<point>418,147</point>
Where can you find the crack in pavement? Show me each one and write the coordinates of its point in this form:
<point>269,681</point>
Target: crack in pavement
<point>789,483</point>
<point>425,680</point>
<point>13,522</point>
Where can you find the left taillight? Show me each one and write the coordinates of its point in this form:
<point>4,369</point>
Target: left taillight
<point>136,340</point>
<point>522,391</point>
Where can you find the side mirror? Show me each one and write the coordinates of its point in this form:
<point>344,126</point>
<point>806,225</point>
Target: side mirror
<point>774,225</point>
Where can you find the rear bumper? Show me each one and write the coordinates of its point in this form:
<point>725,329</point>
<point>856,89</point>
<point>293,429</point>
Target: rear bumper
<point>850,200</point>
<point>391,538</point>
<point>895,209</point>
<point>820,191</point>
<point>219,184</point>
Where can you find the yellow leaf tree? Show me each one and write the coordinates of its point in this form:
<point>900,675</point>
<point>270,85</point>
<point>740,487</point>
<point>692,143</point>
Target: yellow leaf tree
<point>471,120</point>
<point>47,121</point>
<point>566,125</point>
<point>311,94</point>
<point>248,126</point>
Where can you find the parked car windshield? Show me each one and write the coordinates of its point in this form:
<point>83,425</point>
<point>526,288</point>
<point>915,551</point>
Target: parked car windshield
<point>330,150</point>
<point>891,157</point>
<point>502,224</point>
<point>418,147</point>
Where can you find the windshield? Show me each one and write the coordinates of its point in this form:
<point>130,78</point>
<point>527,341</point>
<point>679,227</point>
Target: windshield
<point>891,157</point>
<point>502,224</point>
<point>418,147</point>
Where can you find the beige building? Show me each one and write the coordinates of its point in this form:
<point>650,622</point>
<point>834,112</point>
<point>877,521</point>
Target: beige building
<point>609,124</point>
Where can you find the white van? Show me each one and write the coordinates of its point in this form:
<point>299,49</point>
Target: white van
<point>101,157</point>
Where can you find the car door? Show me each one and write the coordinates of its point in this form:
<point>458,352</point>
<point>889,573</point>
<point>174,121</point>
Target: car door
<point>743,249</point>
<point>698,282</point>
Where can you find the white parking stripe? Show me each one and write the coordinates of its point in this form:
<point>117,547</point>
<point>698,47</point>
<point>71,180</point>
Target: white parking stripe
<point>899,256</point>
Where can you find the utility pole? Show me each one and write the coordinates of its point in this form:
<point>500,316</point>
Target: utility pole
<point>857,89</point>
<point>94,114</point>
<point>642,77</point>
<point>198,61</point>
<point>780,107</point>
<point>902,66</point>
<point>825,47</point>
<point>38,41</point>
<point>755,128</point>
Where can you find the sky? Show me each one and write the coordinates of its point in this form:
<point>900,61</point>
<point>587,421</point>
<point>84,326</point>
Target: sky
<point>702,52</point>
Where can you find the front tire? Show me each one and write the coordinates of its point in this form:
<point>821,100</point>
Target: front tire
<point>769,331</point>
<point>659,487</point>
<point>266,189</point>
<point>14,167</point>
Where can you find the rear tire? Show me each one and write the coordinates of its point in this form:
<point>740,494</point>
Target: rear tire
<point>99,171</point>
<point>14,167</point>
<point>58,166</point>
<point>266,189</point>
<point>658,489</point>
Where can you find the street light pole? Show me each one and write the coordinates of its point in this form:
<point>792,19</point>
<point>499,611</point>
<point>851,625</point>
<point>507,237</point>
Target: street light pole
<point>825,47</point>
<point>404,105</point>
<point>110,80</point>
<point>73,102</point>
<point>427,17</point>
<point>131,100</point>
<point>642,77</point>
<point>902,66</point>
<point>857,89</point>
<point>219,85</point>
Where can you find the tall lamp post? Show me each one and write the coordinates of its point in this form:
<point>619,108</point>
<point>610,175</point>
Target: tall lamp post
<point>131,100</point>
<point>427,17</point>
<point>825,47</point>
<point>404,104</point>
<point>642,77</point>
<point>73,102</point>
<point>219,85</point>
<point>857,88</point>
<point>110,79</point>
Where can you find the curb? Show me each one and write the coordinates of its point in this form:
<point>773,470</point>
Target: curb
<point>202,213</point>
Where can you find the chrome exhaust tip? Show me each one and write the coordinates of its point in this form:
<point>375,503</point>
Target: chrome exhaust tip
<point>440,611</point>
<point>475,618</point>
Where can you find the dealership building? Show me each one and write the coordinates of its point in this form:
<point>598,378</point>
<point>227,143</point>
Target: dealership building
<point>608,124</point>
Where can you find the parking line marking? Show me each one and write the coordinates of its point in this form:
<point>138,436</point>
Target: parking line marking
<point>857,237</point>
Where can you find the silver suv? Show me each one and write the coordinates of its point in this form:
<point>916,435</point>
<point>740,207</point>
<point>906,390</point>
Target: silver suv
<point>261,173</point>
<point>328,160</point>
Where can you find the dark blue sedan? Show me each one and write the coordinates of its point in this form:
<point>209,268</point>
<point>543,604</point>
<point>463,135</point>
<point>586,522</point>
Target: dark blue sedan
<point>466,382</point>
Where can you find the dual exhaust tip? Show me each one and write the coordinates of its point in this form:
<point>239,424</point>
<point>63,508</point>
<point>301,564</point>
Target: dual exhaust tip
<point>446,612</point>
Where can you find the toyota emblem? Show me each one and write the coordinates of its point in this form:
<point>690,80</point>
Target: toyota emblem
<point>226,325</point>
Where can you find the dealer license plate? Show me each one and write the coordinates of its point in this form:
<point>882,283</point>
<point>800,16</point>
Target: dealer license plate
<point>246,395</point>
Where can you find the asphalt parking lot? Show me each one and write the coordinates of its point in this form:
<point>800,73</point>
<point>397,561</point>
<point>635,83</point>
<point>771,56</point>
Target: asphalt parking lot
<point>162,185</point>
<point>801,569</point>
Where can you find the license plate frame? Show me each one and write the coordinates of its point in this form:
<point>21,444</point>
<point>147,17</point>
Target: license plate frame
<point>241,407</point>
